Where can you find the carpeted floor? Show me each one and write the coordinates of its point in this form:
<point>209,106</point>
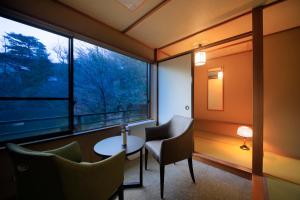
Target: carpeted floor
<point>211,183</point>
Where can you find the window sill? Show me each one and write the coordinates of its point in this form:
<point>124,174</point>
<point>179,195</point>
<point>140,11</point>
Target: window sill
<point>74,134</point>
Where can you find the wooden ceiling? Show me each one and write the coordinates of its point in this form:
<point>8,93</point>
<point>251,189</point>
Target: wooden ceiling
<point>175,26</point>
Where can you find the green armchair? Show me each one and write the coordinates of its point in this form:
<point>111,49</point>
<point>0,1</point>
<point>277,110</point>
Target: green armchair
<point>59,174</point>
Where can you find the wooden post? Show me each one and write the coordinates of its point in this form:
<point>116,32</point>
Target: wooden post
<point>258,83</point>
<point>157,88</point>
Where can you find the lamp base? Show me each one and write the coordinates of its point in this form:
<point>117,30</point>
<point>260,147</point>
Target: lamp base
<point>245,147</point>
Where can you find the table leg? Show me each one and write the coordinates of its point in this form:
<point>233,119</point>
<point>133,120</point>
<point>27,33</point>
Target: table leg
<point>141,167</point>
<point>140,183</point>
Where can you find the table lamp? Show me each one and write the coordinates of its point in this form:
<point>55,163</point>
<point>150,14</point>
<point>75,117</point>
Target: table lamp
<point>245,132</point>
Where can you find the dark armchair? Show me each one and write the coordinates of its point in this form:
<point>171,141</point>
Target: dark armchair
<point>169,143</point>
<point>59,174</point>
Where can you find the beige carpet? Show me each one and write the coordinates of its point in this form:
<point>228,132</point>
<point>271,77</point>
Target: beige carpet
<point>211,183</point>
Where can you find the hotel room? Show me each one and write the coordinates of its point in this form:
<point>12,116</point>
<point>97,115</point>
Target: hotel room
<point>149,99</point>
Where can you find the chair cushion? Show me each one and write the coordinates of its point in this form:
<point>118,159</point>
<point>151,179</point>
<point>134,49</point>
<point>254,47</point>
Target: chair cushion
<point>154,147</point>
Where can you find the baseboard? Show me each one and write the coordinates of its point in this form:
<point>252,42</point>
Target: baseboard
<point>224,165</point>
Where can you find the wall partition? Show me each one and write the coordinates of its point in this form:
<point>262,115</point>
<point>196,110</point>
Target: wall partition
<point>175,88</point>
<point>52,84</point>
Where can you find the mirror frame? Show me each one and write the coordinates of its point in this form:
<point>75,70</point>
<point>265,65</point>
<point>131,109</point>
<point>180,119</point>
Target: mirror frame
<point>215,69</point>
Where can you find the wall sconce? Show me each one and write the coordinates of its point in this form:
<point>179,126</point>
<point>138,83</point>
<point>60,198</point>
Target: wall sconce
<point>220,75</point>
<point>200,58</point>
<point>245,132</point>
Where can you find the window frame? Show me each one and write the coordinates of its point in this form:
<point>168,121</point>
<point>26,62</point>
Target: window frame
<point>17,17</point>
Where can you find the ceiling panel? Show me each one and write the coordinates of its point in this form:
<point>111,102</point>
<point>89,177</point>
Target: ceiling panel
<point>278,17</point>
<point>180,18</point>
<point>230,29</point>
<point>111,12</point>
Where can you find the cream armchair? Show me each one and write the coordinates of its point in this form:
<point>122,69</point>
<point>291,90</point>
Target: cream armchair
<point>169,143</point>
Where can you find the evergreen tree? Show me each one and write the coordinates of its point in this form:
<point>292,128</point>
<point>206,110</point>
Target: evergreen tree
<point>28,61</point>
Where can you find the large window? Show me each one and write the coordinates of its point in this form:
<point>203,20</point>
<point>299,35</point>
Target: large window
<point>33,81</point>
<point>109,88</point>
<point>36,87</point>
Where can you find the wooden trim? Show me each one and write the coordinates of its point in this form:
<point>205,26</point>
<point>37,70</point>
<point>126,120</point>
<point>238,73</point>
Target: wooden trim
<point>155,55</point>
<point>282,31</point>
<point>231,54</point>
<point>258,86</point>
<point>220,42</point>
<point>225,122</point>
<point>204,47</point>
<point>216,25</point>
<point>155,63</point>
<point>175,56</point>
<point>149,88</point>
<point>259,188</point>
<point>230,45</point>
<point>224,165</point>
<point>273,3</point>
<point>244,51</point>
<point>224,41</point>
<point>280,178</point>
<point>157,95</point>
<point>146,15</point>
<point>163,52</point>
<point>192,84</point>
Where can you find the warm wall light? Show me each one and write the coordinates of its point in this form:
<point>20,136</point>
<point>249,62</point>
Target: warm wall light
<point>220,75</point>
<point>245,132</point>
<point>200,58</point>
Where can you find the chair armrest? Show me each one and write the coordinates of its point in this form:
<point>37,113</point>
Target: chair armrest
<point>157,132</point>
<point>93,181</point>
<point>177,148</point>
<point>70,152</point>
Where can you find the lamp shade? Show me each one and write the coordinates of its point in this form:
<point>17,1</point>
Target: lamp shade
<point>220,75</point>
<point>245,131</point>
<point>200,58</point>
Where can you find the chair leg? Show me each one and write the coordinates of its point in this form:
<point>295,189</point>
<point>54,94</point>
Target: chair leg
<point>162,177</point>
<point>121,193</point>
<point>190,161</point>
<point>146,158</point>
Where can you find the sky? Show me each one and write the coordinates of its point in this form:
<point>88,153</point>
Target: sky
<point>50,40</point>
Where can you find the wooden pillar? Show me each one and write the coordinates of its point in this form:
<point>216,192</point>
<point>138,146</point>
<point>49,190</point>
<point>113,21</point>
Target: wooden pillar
<point>155,61</point>
<point>258,83</point>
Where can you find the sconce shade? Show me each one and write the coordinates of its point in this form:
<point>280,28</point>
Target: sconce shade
<point>220,75</point>
<point>245,131</point>
<point>200,58</point>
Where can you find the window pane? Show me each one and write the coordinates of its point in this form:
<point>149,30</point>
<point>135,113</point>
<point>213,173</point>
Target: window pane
<point>21,119</point>
<point>109,88</point>
<point>33,62</point>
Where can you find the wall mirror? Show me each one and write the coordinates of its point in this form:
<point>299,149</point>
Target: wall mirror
<point>215,87</point>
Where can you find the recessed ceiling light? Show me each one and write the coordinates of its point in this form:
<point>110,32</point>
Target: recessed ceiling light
<point>131,4</point>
